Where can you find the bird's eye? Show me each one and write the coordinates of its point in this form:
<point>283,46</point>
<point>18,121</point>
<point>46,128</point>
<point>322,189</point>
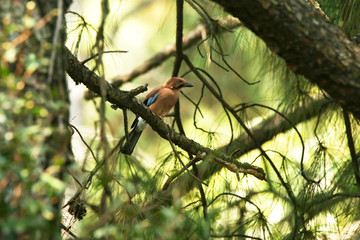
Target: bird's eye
<point>179,81</point>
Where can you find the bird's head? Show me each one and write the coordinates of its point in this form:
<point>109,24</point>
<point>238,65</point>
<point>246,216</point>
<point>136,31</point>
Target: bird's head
<point>177,83</point>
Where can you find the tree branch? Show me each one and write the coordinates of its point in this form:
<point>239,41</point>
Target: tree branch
<point>178,57</point>
<point>351,145</point>
<point>310,44</point>
<point>126,100</point>
<point>179,37</point>
<point>263,132</point>
<point>156,60</point>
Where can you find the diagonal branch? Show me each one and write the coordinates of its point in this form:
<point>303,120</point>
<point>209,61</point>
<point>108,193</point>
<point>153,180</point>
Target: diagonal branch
<point>308,42</point>
<point>156,60</point>
<point>126,100</point>
<point>263,132</point>
<point>184,183</point>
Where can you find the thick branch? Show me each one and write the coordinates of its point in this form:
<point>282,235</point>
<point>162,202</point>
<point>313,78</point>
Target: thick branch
<point>126,100</point>
<point>263,132</point>
<point>310,44</point>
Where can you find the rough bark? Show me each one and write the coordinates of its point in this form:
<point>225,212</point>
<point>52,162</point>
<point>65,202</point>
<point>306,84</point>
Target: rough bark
<point>126,100</point>
<point>308,42</point>
<point>263,132</point>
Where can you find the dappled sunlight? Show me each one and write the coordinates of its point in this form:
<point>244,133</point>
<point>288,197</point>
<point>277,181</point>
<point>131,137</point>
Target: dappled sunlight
<point>194,119</point>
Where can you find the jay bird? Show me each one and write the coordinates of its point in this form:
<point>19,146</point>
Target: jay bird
<point>160,100</point>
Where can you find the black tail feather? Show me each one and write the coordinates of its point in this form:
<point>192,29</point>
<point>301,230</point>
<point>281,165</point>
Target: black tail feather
<point>130,143</point>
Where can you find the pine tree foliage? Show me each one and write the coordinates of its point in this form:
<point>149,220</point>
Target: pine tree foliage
<point>279,159</point>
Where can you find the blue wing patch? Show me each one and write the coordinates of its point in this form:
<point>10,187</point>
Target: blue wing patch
<point>151,100</point>
<point>147,102</point>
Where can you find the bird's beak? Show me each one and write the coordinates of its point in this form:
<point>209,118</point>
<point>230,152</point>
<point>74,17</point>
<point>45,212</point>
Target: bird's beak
<point>188,85</point>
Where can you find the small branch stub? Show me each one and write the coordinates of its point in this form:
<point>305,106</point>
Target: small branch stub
<point>237,168</point>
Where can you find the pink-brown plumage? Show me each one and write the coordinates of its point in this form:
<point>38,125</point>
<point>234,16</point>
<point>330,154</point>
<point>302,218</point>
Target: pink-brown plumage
<point>160,100</point>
